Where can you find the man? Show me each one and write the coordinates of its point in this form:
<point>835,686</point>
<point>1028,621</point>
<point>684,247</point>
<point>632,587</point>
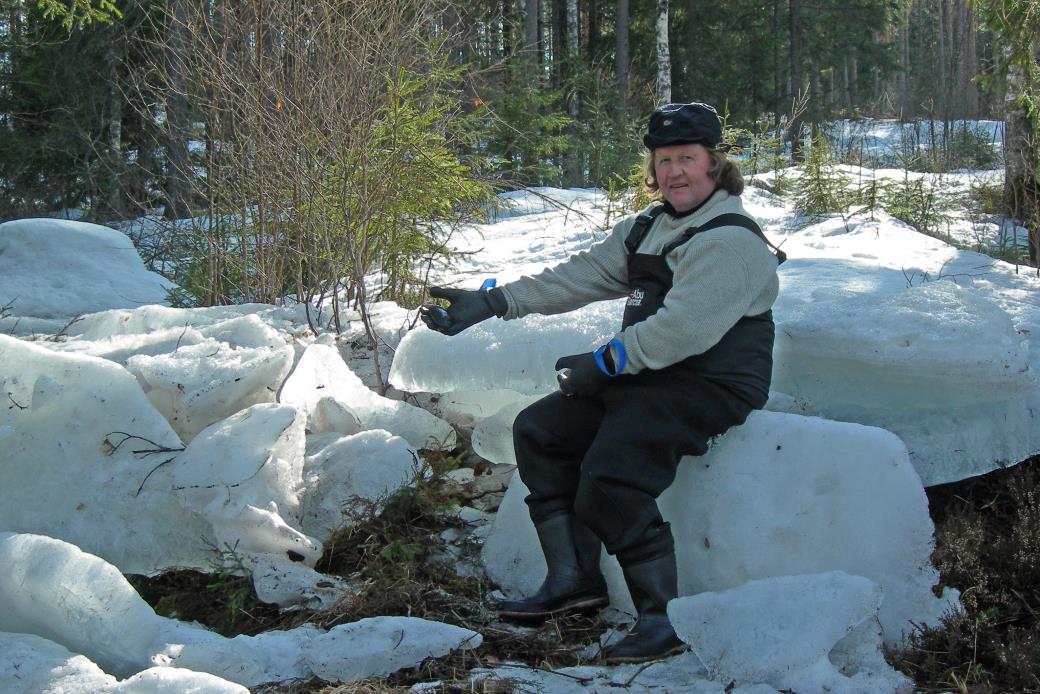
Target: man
<point>693,358</point>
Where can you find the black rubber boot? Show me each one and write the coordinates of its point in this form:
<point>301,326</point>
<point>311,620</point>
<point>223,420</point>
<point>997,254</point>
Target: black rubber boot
<point>652,584</point>
<point>573,582</point>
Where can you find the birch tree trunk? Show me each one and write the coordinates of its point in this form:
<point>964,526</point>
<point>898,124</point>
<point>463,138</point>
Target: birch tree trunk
<point>664,60</point>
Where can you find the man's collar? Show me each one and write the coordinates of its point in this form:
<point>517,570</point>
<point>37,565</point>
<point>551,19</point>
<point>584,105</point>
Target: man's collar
<point>679,215</point>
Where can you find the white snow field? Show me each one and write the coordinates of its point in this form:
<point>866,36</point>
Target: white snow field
<point>140,438</point>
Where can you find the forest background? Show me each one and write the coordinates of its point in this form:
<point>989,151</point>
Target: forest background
<point>313,142</point>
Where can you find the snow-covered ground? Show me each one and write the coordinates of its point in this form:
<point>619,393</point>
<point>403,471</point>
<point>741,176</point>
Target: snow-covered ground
<point>142,437</point>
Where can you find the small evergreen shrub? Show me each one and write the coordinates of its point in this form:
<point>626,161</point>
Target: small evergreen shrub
<point>917,202</point>
<point>987,199</point>
<point>970,147</point>
<point>823,188</point>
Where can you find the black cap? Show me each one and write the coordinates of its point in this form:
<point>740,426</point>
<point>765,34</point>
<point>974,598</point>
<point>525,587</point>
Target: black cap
<point>683,124</point>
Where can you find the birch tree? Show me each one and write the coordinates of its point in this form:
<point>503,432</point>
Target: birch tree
<point>664,60</point>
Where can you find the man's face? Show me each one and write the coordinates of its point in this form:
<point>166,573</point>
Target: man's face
<point>682,175</point>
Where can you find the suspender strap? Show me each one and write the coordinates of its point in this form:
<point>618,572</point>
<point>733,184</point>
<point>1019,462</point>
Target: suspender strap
<point>730,219</point>
<point>641,226</point>
<point>646,220</point>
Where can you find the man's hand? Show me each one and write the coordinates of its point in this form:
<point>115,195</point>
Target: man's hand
<point>466,308</point>
<point>581,375</point>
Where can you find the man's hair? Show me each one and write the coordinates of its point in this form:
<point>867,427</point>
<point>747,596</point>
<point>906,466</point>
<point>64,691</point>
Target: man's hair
<point>724,171</point>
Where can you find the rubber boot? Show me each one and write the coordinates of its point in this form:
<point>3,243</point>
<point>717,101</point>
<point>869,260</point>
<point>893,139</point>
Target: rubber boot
<point>652,584</point>
<point>573,581</point>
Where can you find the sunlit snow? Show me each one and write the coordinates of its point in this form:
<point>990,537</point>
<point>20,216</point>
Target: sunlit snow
<point>136,437</point>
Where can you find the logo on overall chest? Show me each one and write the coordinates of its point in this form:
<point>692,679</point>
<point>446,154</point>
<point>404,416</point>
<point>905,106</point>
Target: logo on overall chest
<point>635,297</point>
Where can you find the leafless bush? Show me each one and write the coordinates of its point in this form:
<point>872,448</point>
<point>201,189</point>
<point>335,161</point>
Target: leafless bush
<point>329,141</point>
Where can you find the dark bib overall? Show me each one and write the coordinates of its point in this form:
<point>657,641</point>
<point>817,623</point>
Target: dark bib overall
<point>742,360</point>
<point>607,458</point>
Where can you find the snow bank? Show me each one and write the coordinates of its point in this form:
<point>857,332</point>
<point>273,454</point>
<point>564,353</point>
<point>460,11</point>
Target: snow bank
<point>939,364</point>
<point>30,665</point>
<point>51,268</point>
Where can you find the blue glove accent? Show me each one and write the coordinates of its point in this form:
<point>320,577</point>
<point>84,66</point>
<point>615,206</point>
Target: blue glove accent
<point>598,356</point>
<point>488,284</point>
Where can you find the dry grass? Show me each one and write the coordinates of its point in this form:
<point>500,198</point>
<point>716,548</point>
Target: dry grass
<point>988,546</point>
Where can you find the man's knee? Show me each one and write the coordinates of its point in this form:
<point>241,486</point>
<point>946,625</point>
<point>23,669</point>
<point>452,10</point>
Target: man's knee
<point>529,433</point>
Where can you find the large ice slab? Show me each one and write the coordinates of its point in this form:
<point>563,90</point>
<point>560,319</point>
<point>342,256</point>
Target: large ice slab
<point>379,646</point>
<point>779,495</point>
<point>782,631</point>
<point>54,590</point>
<point>244,475</point>
<point>937,364</point>
<point>52,268</point>
<point>900,361</point>
<point>66,472</point>
<point>517,355</point>
<point>197,385</point>
<point>352,474</point>
<point>85,457</point>
<point>322,373</point>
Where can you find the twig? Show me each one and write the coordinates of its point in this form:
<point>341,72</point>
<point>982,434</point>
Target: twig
<point>168,460</point>
<point>6,308</point>
<point>181,337</point>
<point>159,448</point>
<point>581,680</point>
<point>20,407</point>
<point>228,487</point>
<point>637,673</point>
<point>61,333</point>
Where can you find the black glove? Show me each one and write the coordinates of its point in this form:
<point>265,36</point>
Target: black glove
<point>581,375</point>
<point>466,308</point>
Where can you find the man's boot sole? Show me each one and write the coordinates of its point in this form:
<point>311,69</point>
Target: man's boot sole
<point>580,605</point>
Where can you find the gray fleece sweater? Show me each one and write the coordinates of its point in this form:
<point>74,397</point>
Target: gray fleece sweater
<point>718,276</point>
